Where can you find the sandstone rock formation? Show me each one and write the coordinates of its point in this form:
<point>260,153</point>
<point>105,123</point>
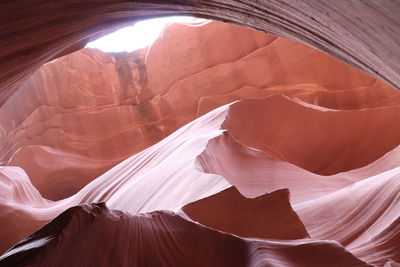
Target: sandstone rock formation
<point>164,176</point>
<point>101,108</point>
<point>302,170</point>
<point>158,239</point>
<point>229,211</point>
<point>369,40</point>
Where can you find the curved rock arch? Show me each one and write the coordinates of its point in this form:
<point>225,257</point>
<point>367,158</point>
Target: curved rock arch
<point>364,34</point>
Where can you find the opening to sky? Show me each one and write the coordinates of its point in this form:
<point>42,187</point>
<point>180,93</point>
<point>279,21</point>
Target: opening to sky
<point>141,34</point>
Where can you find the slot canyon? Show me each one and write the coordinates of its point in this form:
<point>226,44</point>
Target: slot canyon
<point>265,134</point>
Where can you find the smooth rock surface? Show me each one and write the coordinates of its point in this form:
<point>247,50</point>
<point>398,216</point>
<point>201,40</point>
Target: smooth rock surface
<point>85,234</point>
<point>369,40</point>
<point>303,170</point>
<point>166,176</point>
<point>101,108</point>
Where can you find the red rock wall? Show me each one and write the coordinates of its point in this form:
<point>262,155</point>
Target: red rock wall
<point>172,174</point>
<point>101,108</point>
<point>308,115</point>
<point>29,37</point>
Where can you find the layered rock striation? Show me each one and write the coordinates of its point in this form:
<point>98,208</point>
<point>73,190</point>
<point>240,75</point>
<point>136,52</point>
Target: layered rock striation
<point>369,40</point>
<point>101,108</point>
<point>272,154</point>
<point>170,175</point>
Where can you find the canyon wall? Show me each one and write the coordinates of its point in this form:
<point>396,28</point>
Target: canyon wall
<point>216,146</point>
<point>101,108</point>
<point>369,40</point>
